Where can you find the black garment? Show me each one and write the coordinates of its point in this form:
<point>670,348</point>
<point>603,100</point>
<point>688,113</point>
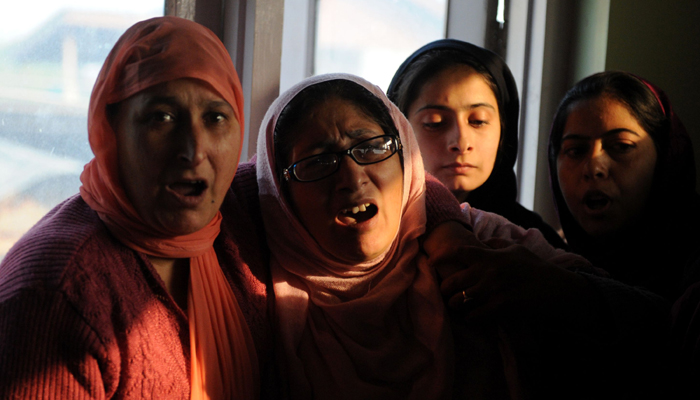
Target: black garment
<point>499,193</point>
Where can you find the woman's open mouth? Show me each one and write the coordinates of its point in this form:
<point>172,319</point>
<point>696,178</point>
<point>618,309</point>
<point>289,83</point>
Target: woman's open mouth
<point>189,192</point>
<point>357,214</point>
<point>596,201</point>
<point>189,188</point>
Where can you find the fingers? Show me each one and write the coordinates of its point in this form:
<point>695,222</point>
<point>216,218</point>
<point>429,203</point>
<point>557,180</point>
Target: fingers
<point>456,260</point>
<point>473,304</point>
<point>465,270</point>
<point>460,300</point>
<point>447,236</point>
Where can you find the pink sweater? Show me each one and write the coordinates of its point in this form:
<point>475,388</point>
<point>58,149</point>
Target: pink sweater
<point>82,316</point>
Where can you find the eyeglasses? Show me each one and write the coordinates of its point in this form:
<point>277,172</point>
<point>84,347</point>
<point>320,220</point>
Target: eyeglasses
<point>370,151</point>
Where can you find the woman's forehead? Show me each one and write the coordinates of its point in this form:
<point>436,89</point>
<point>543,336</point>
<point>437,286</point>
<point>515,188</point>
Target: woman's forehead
<point>338,116</point>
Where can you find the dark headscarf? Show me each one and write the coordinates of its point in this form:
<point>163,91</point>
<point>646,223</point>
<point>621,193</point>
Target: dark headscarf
<point>499,193</point>
<point>655,250</point>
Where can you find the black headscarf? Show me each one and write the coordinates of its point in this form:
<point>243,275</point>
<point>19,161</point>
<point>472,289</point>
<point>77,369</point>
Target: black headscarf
<point>499,193</point>
<point>655,250</point>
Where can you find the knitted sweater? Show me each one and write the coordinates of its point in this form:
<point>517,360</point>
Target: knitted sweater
<point>83,316</point>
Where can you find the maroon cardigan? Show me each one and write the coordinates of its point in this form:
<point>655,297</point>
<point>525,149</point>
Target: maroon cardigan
<point>83,316</point>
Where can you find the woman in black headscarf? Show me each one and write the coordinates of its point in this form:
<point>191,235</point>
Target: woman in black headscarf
<point>623,178</point>
<point>462,103</point>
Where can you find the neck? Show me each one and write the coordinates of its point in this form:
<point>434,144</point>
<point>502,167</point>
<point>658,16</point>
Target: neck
<point>175,273</point>
<point>461,195</point>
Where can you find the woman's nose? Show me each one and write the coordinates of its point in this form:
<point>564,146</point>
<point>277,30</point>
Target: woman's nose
<point>351,176</point>
<point>598,165</point>
<point>192,142</point>
<point>459,140</point>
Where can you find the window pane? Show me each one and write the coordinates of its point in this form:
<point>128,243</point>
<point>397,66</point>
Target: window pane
<point>50,54</point>
<point>371,38</point>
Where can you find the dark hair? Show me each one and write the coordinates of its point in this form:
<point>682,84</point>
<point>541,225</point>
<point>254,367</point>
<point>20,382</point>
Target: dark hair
<point>623,87</point>
<point>301,105</point>
<point>430,65</point>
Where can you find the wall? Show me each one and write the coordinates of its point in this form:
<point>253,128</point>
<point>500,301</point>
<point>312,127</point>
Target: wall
<point>660,41</point>
<point>575,47</point>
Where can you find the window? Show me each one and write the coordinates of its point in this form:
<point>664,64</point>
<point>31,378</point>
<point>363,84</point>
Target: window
<point>50,54</point>
<point>371,38</point>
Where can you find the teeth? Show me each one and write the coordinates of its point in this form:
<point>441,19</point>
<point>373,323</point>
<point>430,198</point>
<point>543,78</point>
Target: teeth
<point>356,209</point>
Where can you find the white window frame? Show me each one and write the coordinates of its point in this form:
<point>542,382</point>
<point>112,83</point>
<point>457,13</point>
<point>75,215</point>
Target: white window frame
<point>253,32</point>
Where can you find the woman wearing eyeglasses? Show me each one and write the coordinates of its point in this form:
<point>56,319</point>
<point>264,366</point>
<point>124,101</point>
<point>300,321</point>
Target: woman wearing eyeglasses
<point>360,313</point>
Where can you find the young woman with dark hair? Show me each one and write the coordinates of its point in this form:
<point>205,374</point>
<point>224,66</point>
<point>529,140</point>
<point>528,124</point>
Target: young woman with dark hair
<point>623,176</point>
<point>462,103</point>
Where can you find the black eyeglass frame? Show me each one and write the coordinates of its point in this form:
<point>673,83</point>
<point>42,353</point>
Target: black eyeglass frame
<point>289,173</point>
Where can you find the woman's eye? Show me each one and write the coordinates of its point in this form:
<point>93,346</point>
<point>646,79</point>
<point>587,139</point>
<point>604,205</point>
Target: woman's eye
<point>216,117</point>
<point>622,147</point>
<point>432,122</point>
<point>574,151</point>
<point>477,122</point>
<point>161,117</point>
<point>432,125</point>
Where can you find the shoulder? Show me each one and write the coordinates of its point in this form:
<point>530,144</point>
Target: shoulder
<point>245,179</point>
<point>68,233</point>
<point>243,255</point>
<point>242,227</point>
<point>242,197</point>
<point>440,204</point>
<point>527,219</point>
<point>241,207</point>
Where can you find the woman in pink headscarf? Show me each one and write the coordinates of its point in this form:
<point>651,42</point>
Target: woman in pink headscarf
<point>119,292</point>
<point>359,317</point>
<point>360,313</point>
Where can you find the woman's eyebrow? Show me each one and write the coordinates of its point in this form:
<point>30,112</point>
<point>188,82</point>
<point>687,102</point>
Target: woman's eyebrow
<point>358,133</point>
<point>219,104</point>
<point>328,144</point>
<point>154,100</point>
<point>612,132</point>
<point>620,130</point>
<point>173,101</point>
<point>574,136</point>
<point>323,146</point>
<point>445,108</point>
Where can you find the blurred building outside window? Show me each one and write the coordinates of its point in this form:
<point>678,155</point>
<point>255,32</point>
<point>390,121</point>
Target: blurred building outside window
<point>50,54</point>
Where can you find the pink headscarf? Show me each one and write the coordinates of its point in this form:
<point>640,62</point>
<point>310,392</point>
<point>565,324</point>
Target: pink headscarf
<point>158,50</point>
<point>373,330</point>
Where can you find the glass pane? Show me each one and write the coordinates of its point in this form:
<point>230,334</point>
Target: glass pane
<point>371,38</point>
<point>50,54</point>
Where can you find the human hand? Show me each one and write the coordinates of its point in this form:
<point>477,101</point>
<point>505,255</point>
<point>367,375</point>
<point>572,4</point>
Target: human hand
<point>497,277</point>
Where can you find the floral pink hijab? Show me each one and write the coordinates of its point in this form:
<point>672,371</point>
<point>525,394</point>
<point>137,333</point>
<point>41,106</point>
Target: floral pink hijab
<point>373,330</point>
<point>158,50</point>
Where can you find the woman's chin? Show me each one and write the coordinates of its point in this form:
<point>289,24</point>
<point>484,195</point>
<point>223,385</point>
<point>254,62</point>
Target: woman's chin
<point>600,228</point>
<point>460,186</point>
<point>181,224</point>
<point>359,254</point>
